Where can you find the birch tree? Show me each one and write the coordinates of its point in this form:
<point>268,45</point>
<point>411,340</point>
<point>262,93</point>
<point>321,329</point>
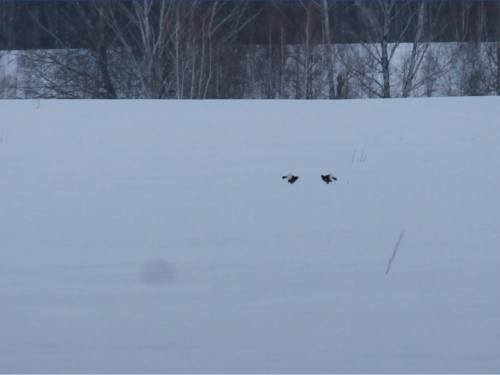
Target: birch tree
<point>95,15</point>
<point>427,28</point>
<point>378,18</point>
<point>493,53</point>
<point>141,31</point>
<point>327,56</point>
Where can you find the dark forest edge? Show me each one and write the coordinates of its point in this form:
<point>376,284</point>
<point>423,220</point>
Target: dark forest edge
<point>249,49</point>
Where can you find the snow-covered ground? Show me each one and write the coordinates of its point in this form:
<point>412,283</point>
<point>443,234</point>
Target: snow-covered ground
<point>159,236</point>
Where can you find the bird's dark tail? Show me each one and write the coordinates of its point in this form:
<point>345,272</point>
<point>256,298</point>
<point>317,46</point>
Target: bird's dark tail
<point>283,177</point>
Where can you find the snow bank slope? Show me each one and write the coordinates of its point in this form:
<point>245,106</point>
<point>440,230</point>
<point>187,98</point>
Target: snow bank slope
<point>158,236</point>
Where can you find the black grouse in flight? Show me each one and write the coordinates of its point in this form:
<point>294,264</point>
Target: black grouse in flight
<point>291,178</point>
<point>328,178</point>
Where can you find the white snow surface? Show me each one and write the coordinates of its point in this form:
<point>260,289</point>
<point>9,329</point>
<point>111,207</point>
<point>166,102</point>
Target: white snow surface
<point>158,236</point>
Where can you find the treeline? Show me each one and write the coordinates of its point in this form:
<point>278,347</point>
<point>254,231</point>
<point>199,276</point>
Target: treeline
<point>64,24</point>
<point>249,49</point>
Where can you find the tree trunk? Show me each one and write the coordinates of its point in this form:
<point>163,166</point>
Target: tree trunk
<point>498,68</point>
<point>498,51</point>
<point>328,50</point>
<point>386,92</point>
<point>412,69</point>
<point>103,67</point>
<point>340,87</point>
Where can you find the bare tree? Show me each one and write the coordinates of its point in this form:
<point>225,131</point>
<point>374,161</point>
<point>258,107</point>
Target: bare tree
<point>328,53</point>
<point>327,58</point>
<point>6,89</point>
<point>470,71</point>
<point>200,49</point>
<point>273,71</point>
<point>305,50</point>
<point>66,71</point>
<point>417,53</point>
<point>308,53</point>
<point>177,48</point>
<point>378,18</point>
<point>427,28</point>
<point>141,32</point>
<point>95,15</point>
<point>492,53</point>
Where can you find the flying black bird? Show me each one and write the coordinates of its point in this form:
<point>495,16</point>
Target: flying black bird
<point>328,178</point>
<point>291,178</point>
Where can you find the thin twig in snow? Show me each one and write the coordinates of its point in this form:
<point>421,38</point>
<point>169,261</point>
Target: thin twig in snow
<point>394,252</point>
<point>361,160</point>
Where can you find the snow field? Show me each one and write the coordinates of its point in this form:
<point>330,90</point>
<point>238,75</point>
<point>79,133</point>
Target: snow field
<point>159,236</point>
